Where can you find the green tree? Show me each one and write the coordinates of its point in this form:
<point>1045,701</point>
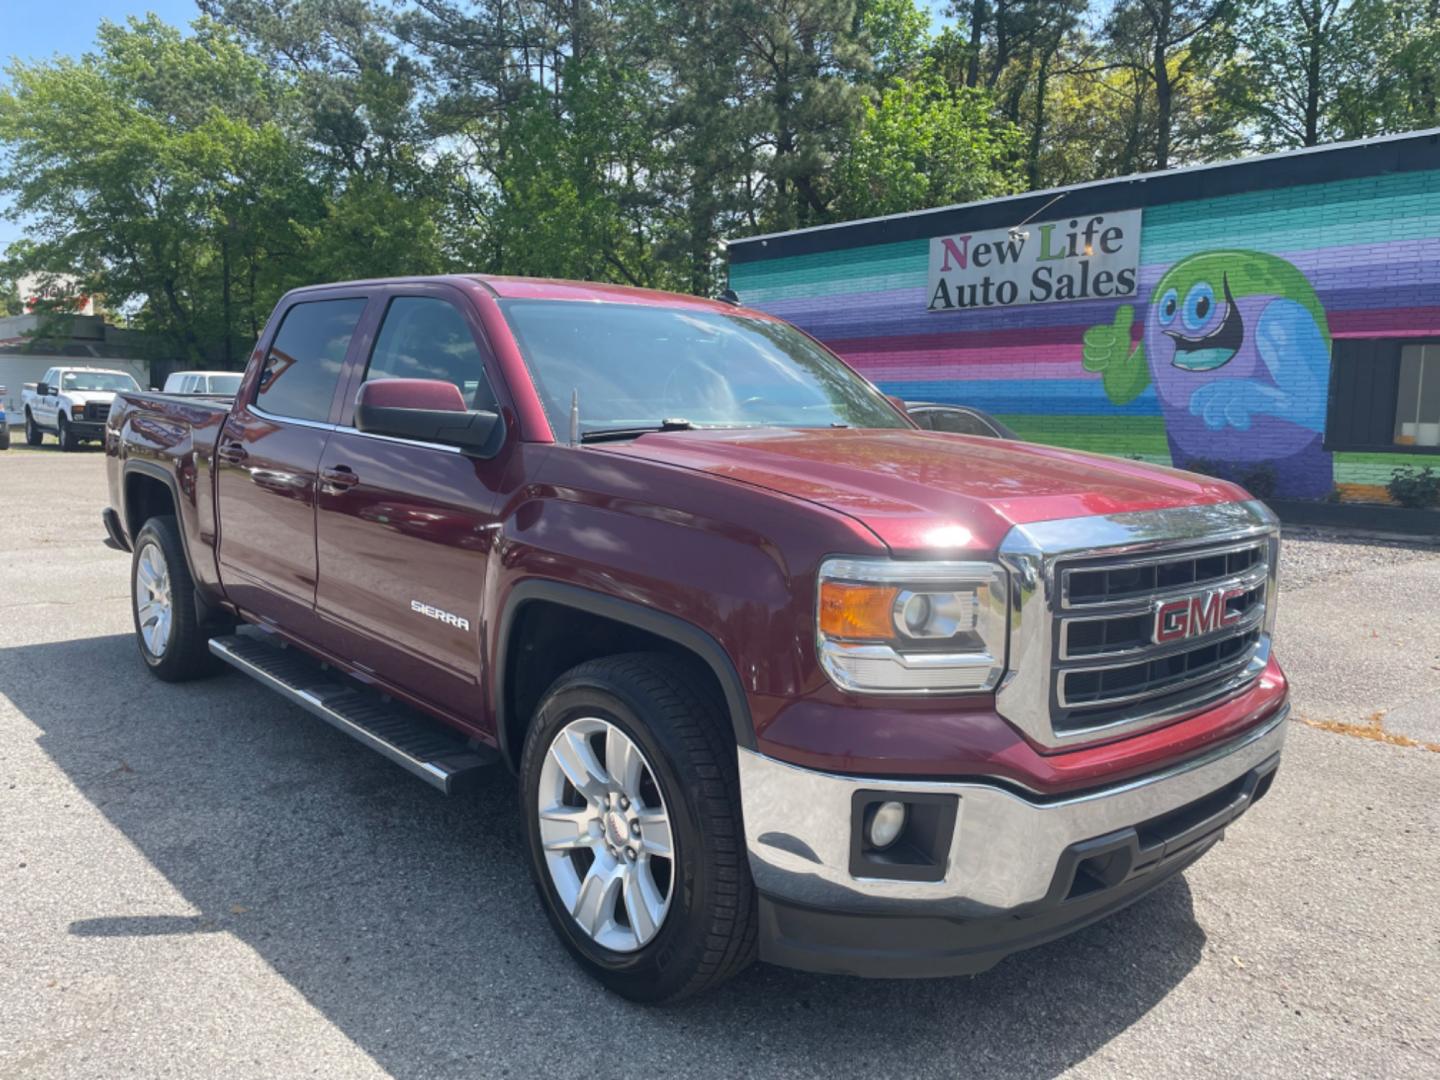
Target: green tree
<point>1302,58</point>
<point>1400,88</point>
<point>1170,44</point>
<point>156,170</point>
<point>924,144</point>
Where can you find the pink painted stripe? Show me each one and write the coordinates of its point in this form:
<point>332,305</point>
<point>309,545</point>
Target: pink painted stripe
<point>1385,322</point>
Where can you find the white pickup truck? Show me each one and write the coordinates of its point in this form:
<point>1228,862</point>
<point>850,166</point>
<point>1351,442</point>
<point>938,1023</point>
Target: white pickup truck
<point>72,403</point>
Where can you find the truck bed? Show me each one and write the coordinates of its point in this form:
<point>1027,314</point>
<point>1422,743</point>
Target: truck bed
<point>170,436</point>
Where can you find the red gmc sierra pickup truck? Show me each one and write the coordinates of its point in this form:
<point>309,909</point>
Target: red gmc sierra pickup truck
<point>782,675</point>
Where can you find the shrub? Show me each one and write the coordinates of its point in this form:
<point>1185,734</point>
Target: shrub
<point>1259,480</point>
<point>1416,488</point>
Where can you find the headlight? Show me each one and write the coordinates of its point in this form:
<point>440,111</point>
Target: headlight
<point>887,626</point>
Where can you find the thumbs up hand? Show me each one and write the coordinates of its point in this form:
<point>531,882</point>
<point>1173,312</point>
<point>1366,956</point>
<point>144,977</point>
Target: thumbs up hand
<point>1109,343</point>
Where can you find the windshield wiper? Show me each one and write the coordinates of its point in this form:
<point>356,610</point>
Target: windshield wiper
<point>610,434</point>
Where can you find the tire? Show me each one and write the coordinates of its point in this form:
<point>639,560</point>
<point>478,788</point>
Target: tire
<point>68,441</point>
<point>33,435</point>
<point>175,649</point>
<point>5,439</point>
<point>706,932</point>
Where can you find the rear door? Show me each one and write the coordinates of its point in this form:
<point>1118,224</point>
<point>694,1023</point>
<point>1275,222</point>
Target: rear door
<point>266,461</point>
<point>404,529</point>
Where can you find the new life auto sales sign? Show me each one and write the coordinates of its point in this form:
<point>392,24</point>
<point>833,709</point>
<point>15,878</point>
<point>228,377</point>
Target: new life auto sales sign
<point>1095,257</point>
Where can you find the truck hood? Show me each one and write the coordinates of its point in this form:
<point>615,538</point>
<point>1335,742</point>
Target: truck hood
<point>922,491</point>
<point>85,397</point>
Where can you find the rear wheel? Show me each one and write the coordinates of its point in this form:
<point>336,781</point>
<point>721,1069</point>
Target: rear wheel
<point>632,812</point>
<point>33,435</point>
<point>67,434</point>
<point>172,642</point>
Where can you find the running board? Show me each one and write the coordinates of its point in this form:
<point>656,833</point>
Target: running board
<point>439,756</point>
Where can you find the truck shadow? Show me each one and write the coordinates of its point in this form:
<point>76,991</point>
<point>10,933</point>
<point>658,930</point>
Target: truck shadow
<point>409,921</point>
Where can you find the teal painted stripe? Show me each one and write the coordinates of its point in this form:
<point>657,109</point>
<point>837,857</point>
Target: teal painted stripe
<point>1368,210</point>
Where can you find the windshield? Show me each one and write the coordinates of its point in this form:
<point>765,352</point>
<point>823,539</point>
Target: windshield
<point>225,384</point>
<point>97,380</point>
<point>636,366</point>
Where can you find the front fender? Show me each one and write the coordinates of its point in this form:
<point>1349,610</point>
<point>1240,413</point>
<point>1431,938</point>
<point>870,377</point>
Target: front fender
<point>723,568</point>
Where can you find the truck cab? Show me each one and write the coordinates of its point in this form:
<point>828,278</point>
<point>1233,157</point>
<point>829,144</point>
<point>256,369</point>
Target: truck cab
<point>72,403</point>
<point>780,674</point>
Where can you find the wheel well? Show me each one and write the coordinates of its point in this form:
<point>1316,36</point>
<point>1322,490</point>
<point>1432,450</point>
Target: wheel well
<point>145,497</point>
<point>547,639</point>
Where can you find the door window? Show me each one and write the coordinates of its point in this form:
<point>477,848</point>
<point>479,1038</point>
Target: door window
<point>303,365</point>
<point>959,422</point>
<point>426,338</point>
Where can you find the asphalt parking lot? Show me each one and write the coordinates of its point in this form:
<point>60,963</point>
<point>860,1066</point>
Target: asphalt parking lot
<point>203,881</point>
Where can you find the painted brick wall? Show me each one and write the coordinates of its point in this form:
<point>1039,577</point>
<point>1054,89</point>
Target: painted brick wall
<point>1368,251</point>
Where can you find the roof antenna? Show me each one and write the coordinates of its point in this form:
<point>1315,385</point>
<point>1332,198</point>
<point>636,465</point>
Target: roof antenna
<point>1018,232</point>
<point>575,416</point>
<point>730,296</point>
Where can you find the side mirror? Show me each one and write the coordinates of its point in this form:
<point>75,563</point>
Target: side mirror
<point>43,389</point>
<point>426,410</point>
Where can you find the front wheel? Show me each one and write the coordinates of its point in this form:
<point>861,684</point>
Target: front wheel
<point>172,642</point>
<point>631,803</point>
<point>66,433</point>
<point>33,435</point>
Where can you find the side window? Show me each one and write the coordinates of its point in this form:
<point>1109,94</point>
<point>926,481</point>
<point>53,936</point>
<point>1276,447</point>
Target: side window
<point>959,422</point>
<point>426,338</point>
<point>924,417</point>
<point>303,365</point>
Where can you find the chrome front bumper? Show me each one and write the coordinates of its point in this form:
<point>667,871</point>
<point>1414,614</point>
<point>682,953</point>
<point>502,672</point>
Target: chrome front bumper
<point>1005,848</point>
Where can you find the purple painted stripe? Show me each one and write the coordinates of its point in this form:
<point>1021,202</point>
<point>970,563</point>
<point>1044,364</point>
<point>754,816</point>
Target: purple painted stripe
<point>961,369</point>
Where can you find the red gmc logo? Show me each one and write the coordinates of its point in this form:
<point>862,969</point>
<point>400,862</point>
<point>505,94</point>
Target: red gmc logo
<point>1191,616</point>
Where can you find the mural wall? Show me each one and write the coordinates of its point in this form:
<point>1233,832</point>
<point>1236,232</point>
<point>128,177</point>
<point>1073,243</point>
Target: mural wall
<point>1220,359</point>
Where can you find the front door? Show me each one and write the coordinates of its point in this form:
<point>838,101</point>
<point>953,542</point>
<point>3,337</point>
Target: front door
<point>404,529</point>
<point>266,460</point>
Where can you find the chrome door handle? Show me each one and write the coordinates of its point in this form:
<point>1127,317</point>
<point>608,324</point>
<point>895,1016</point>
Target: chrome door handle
<point>339,478</point>
<point>232,453</point>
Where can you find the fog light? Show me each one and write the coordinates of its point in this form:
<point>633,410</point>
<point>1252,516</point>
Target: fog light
<point>886,824</point>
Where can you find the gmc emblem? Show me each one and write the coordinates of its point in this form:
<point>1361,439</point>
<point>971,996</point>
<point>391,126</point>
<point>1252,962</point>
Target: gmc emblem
<point>1191,616</point>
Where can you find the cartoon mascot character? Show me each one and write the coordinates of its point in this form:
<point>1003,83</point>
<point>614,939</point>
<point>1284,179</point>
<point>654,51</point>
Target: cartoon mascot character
<point>1237,345</point>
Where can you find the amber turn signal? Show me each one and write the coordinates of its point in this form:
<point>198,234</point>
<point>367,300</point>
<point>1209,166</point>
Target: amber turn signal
<point>850,612</point>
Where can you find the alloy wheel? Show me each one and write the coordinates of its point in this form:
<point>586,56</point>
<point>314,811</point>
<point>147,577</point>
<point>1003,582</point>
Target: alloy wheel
<point>153,607</point>
<point>605,834</point>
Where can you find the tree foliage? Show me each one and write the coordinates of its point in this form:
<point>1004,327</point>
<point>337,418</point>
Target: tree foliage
<point>188,176</point>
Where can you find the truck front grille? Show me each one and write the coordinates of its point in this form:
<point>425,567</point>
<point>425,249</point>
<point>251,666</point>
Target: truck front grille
<point>1126,622</point>
<point>1108,662</point>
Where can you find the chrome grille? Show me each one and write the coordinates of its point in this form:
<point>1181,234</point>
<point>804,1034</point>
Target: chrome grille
<point>1107,658</point>
<point>1095,649</point>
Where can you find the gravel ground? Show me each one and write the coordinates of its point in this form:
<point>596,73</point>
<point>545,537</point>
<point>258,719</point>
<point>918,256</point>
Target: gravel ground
<point>1312,557</point>
<point>201,881</point>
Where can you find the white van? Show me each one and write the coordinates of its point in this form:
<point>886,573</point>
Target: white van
<point>203,382</point>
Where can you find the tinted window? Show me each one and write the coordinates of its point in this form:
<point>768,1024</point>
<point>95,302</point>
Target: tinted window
<point>958,422</point>
<point>303,364</point>
<point>633,366</point>
<point>425,338</point>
